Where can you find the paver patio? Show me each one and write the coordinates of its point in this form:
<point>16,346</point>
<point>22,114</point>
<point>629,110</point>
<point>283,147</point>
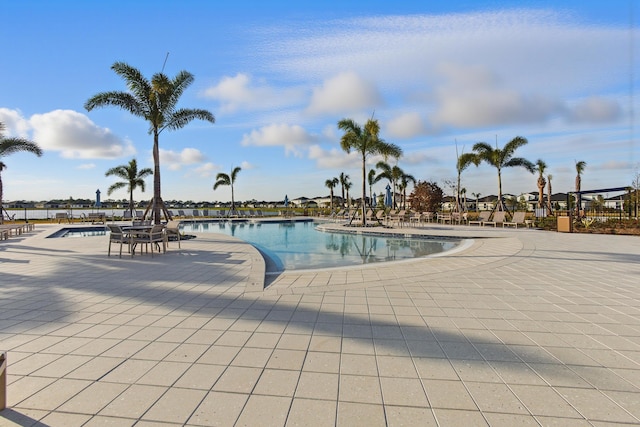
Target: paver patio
<point>518,327</point>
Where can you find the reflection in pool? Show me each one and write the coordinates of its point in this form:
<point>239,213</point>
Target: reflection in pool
<point>299,245</point>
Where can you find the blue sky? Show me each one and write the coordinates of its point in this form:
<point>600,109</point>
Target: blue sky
<point>278,76</point>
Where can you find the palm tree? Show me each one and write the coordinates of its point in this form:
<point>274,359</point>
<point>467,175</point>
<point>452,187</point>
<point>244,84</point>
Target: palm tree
<point>10,146</point>
<point>330,184</point>
<point>132,179</point>
<point>580,167</point>
<point>477,196</point>
<point>393,173</point>
<point>366,141</point>
<point>405,179</point>
<point>155,101</point>
<point>541,166</point>
<point>371,179</point>
<point>463,193</point>
<point>503,158</point>
<point>549,178</point>
<point>347,187</point>
<point>344,179</point>
<point>224,179</point>
<point>462,162</point>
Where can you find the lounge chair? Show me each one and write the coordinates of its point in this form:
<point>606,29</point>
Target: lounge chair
<point>116,235</point>
<point>518,219</point>
<point>498,218</point>
<point>482,218</point>
<point>173,229</point>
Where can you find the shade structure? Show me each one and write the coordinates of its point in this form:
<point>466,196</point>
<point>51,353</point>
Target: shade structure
<point>388,201</point>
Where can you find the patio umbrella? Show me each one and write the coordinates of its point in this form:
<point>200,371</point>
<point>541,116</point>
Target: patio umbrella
<point>286,201</point>
<point>388,201</point>
<point>98,203</point>
<point>373,201</point>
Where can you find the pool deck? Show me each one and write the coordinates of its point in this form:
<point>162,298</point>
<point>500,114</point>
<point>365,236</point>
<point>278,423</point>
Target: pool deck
<point>519,327</point>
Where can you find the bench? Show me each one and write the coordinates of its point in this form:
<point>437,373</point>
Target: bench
<point>63,216</point>
<point>96,217</point>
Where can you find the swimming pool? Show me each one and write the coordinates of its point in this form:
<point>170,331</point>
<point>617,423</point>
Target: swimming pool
<point>71,232</point>
<point>300,246</point>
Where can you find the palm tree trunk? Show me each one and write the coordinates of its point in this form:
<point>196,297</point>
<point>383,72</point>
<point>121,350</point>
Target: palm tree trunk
<point>364,191</point>
<point>1,206</point>
<point>233,202</point>
<point>331,203</point>
<point>500,204</point>
<point>131,202</point>
<point>156,179</point>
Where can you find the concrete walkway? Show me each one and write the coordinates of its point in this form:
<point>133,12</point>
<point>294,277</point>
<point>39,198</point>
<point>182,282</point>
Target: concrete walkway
<point>520,327</point>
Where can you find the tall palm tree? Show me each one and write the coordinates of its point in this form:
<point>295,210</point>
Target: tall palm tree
<point>10,146</point>
<point>503,158</point>
<point>477,196</point>
<point>155,101</point>
<point>347,187</point>
<point>132,179</point>
<point>549,206</point>
<point>463,193</point>
<point>463,161</point>
<point>371,179</point>
<point>541,166</point>
<point>403,183</point>
<point>224,179</point>
<point>394,174</point>
<point>365,141</point>
<point>330,184</point>
<point>580,167</point>
<point>344,179</point>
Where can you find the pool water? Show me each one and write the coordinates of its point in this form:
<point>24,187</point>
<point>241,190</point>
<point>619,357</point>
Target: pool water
<point>80,232</point>
<point>300,246</point>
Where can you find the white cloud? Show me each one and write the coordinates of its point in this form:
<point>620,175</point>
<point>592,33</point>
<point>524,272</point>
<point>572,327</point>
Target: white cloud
<point>206,170</point>
<point>333,158</point>
<point>15,124</point>
<point>247,166</point>
<point>406,125</point>
<point>291,137</point>
<point>418,157</point>
<point>240,93</point>
<point>176,160</point>
<point>474,97</point>
<point>595,110</point>
<point>346,92</point>
<point>87,166</point>
<point>71,133</point>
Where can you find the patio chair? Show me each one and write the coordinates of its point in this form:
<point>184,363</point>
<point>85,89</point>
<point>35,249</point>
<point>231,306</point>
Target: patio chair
<point>518,219</point>
<point>444,217</point>
<point>498,218</point>
<point>116,235</point>
<point>153,237</point>
<point>173,229</point>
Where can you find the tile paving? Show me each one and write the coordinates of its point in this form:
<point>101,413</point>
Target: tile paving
<point>517,327</point>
